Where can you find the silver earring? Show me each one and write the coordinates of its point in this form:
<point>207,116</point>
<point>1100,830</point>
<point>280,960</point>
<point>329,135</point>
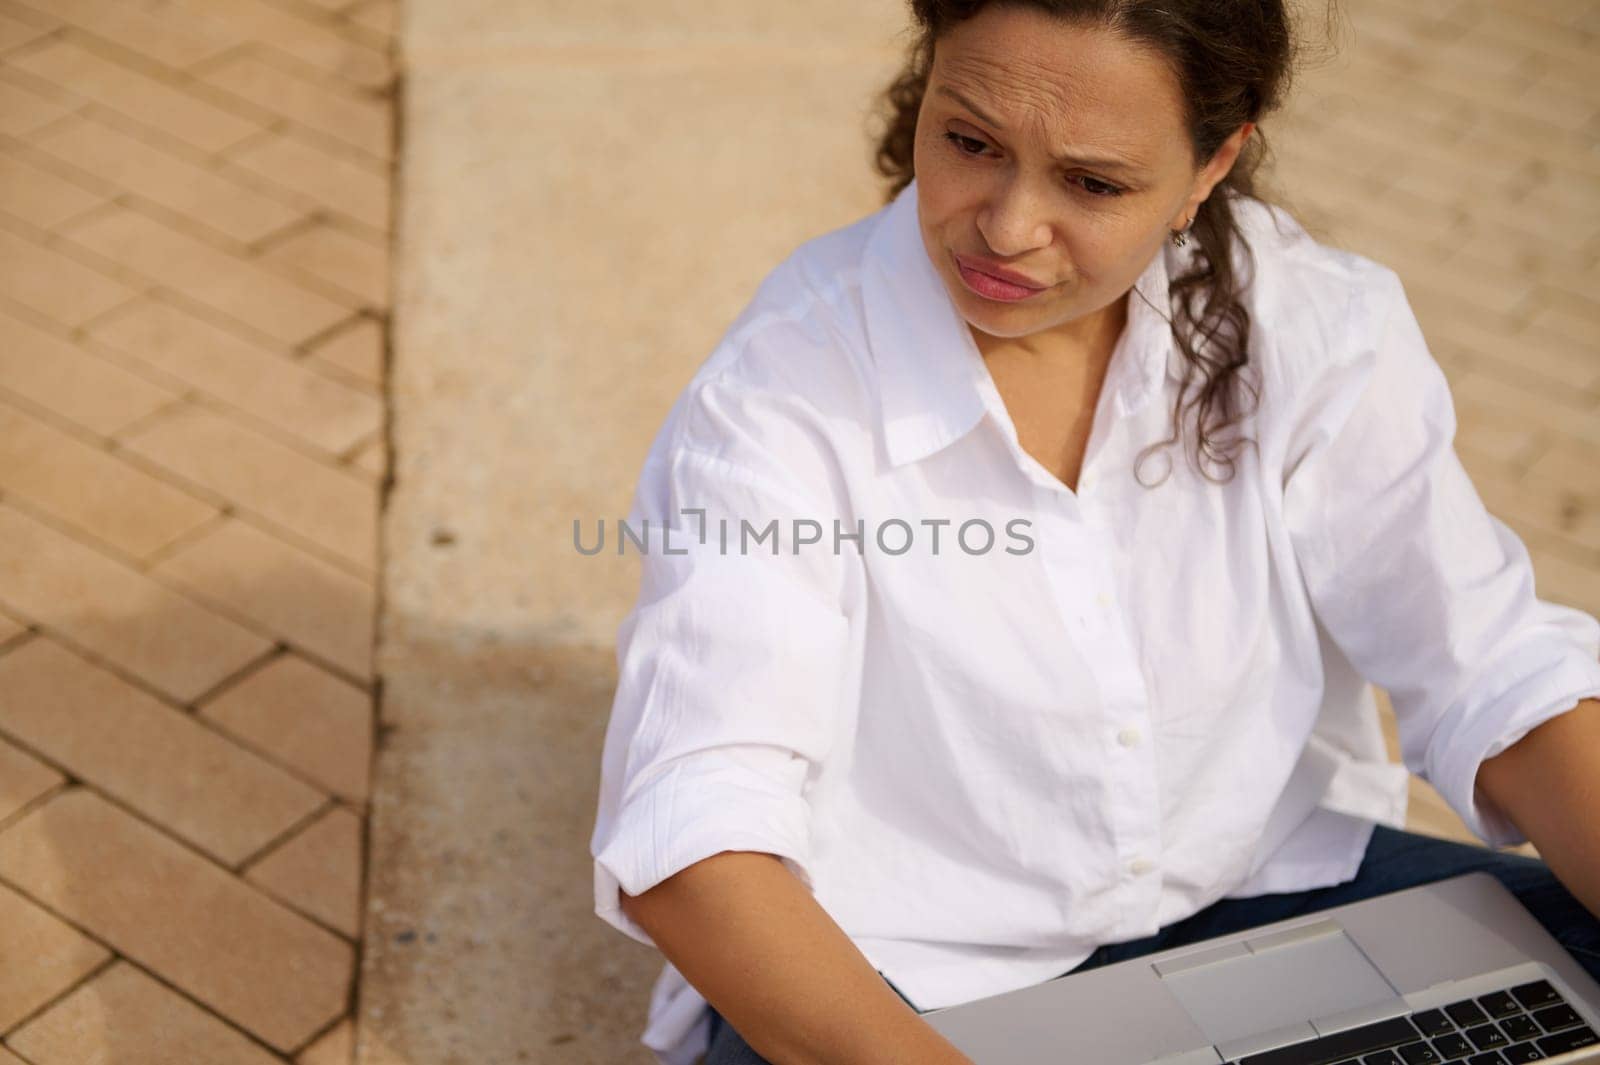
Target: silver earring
<point>1180,237</point>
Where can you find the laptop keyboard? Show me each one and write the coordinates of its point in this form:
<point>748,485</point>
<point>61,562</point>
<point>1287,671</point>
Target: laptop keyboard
<point>1529,1022</point>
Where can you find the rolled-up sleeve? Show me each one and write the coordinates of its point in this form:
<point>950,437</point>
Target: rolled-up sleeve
<point>1428,594</point>
<point>731,663</point>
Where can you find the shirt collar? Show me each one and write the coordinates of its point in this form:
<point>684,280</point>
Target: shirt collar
<point>933,385</point>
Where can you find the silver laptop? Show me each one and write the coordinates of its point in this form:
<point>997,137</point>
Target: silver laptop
<point>1454,971</point>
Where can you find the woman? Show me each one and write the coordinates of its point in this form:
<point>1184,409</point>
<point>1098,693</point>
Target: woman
<point>1194,481</point>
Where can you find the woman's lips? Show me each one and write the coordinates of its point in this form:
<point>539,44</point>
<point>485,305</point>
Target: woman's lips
<point>1004,285</point>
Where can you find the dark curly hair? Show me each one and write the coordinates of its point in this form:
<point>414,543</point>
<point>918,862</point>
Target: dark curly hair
<point>1232,60</point>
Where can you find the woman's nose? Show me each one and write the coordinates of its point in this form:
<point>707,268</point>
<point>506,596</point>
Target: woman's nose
<point>1013,221</point>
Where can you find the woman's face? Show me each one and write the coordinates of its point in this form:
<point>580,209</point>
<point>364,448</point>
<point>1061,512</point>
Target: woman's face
<point>1058,152</point>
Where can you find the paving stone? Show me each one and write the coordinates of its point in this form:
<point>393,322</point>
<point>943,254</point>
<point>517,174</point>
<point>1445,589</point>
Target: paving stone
<point>10,627</point>
<point>372,460</point>
<point>1517,399</point>
<point>1560,514</point>
<point>315,43</point>
<point>1567,314</point>
<point>55,284</point>
<point>144,99</point>
<point>332,6</point>
<point>1435,305</point>
<point>1527,355</point>
<point>319,871</point>
<point>1495,438</point>
<point>356,265</point>
<point>207,197</point>
<point>1558,186</point>
<point>1523,226</point>
<point>269,385</point>
<point>161,762</point>
<point>40,197</point>
<point>23,778</point>
<point>91,488</point>
<point>238,287</point>
<point>328,506</point>
<point>191,923</point>
<point>334,182</point>
<point>144,28</point>
<point>14,32</point>
<point>58,956</point>
<point>8,1058</point>
<point>304,717</point>
<point>1550,103</point>
<point>379,16</point>
<point>357,351</point>
<point>1571,466</point>
<point>335,1048</point>
<point>1479,283</point>
<point>313,606</point>
<point>124,1017</point>
<point>1561,580</point>
<point>481,24</point>
<point>358,120</point>
<point>1500,34</point>
<point>23,110</point>
<point>166,639</point>
<point>44,369</point>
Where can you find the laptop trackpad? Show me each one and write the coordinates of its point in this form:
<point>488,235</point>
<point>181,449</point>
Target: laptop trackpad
<point>1283,978</point>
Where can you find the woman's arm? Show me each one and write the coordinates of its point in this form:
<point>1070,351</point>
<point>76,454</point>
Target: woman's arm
<point>748,935</point>
<point>1548,784</point>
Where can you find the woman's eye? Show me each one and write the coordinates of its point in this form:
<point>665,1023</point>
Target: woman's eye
<point>965,145</point>
<point>971,146</point>
<point>1096,187</point>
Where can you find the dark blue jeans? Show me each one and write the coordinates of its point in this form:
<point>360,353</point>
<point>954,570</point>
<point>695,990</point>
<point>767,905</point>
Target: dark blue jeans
<point>1394,860</point>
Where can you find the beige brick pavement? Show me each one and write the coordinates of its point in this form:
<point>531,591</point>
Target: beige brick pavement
<point>194,250</point>
<point>194,241</point>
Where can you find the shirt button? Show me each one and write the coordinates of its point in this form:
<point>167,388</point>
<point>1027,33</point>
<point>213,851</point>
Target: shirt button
<point>1140,866</point>
<point>1103,599</point>
<point>1128,737</point>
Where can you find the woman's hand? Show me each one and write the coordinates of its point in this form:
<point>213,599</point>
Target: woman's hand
<point>748,935</point>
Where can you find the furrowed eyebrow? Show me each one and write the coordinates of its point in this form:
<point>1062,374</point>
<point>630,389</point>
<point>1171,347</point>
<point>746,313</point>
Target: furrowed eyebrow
<point>1104,162</point>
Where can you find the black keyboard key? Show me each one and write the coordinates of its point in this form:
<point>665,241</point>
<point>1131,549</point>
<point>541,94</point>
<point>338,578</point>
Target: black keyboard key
<point>1487,1037</point>
<point>1466,1013</point>
<point>1491,1058</point>
<point>1382,1057</point>
<point>1532,996</point>
<point>1499,1004</point>
<point>1571,1039</point>
<point>1452,1046</point>
<point>1432,1022</point>
<point>1521,1053</point>
<point>1520,1027</point>
<point>1418,1054</point>
<point>1340,1045</point>
<point>1555,1018</point>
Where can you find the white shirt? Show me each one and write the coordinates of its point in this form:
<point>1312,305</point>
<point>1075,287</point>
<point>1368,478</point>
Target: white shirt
<point>985,764</point>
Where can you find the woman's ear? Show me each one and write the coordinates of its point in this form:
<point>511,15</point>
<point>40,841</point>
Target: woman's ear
<point>1214,171</point>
